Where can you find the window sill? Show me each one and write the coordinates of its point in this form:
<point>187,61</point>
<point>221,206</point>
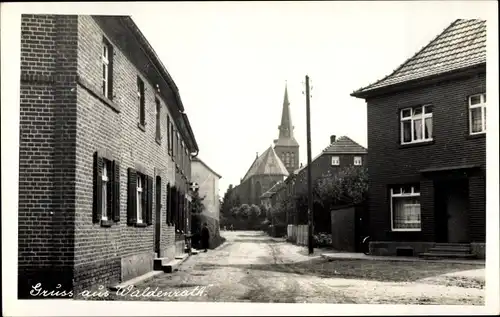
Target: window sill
<point>106,223</point>
<point>141,127</point>
<point>475,136</point>
<point>416,144</point>
<point>406,230</point>
<point>89,87</point>
<point>140,225</point>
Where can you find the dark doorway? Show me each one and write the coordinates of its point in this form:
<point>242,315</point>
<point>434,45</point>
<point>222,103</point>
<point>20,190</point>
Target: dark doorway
<point>158,216</point>
<point>452,211</point>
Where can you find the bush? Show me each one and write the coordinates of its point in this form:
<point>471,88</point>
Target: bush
<point>322,240</point>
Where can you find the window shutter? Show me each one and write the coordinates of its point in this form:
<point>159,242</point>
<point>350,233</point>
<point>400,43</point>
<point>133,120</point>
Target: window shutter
<point>116,191</point>
<point>132,197</point>
<point>149,208</point>
<point>167,205</point>
<point>97,210</point>
<point>111,55</point>
<point>173,210</point>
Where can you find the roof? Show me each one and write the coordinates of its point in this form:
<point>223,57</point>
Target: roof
<point>266,164</point>
<point>342,145</point>
<point>345,145</point>
<point>197,159</point>
<point>461,45</point>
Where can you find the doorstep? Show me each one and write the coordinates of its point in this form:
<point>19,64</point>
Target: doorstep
<point>167,265</point>
<point>362,256</point>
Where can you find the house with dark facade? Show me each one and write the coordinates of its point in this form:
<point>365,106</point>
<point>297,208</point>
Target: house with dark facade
<point>427,140</point>
<point>105,151</point>
<point>342,152</point>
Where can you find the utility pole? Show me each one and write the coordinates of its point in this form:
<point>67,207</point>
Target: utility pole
<point>309,180</point>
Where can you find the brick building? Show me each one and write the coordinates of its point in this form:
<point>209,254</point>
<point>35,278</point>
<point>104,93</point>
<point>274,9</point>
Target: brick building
<point>427,139</point>
<point>105,150</point>
<point>339,154</point>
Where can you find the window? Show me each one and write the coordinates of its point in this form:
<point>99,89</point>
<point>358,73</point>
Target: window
<point>169,142</point>
<point>106,201</point>
<point>335,160</point>
<point>477,114</point>
<point>140,199</point>
<point>287,159</point>
<point>158,119</point>
<point>416,124</point>
<point>106,193</point>
<point>405,208</point>
<point>142,102</point>
<point>107,69</point>
<point>357,160</point>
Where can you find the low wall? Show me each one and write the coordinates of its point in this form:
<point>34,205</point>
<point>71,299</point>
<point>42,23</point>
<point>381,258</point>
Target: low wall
<point>291,233</point>
<point>302,235</point>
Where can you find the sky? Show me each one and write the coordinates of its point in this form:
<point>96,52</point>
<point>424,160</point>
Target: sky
<point>231,62</point>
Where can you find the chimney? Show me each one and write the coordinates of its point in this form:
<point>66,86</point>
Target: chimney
<point>256,154</point>
<point>332,139</point>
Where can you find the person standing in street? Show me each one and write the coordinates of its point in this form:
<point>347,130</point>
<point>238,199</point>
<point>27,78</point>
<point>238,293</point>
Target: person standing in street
<point>205,236</point>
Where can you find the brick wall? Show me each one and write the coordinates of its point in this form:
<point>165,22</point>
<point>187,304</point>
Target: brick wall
<point>390,163</point>
<point>65,119</point>
<point>47,152</point>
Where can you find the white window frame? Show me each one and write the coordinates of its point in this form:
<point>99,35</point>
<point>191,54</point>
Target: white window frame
<point>358,161</point>
<point>482,106</point>
<point>335,161</point>
<point>104,190</point>
<point>140,192</point>
<point>105,64</point>
<point>413,193</point>
<point>412,118</point>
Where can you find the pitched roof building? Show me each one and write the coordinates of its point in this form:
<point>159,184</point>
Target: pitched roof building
<point>427,136</point>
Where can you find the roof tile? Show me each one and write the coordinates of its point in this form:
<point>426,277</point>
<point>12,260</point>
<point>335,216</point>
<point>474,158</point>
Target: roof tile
<point>462,44</point>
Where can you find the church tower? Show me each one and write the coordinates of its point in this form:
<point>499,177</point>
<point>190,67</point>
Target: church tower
<point>286,146</point>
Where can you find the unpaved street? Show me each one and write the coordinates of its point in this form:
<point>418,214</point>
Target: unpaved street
<point>252,267</point>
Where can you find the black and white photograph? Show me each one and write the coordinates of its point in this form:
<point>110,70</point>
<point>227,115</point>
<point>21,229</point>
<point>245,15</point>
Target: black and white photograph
<point>227,153</point>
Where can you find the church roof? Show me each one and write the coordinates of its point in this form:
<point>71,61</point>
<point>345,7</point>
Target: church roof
<point>266,164</point>
<point>462,44</point>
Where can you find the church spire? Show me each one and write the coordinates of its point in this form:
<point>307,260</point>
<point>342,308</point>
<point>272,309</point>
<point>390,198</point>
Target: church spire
<point>286,127</point>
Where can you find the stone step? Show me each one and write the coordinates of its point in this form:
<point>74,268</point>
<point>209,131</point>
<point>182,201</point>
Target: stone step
<point>447,255</point>
<point>135,280</point>
<point>453,245</point>
<point>168,265</point>
<point>449,250</point>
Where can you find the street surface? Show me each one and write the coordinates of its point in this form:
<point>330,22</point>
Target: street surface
<point>252,267</point>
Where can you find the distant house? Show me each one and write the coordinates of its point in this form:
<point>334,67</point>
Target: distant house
<point>341,153</point>
<point>207,181</point>
<point>427,160</point>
